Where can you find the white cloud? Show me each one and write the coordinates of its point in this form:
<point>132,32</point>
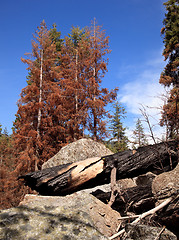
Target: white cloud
<point>144,89</point>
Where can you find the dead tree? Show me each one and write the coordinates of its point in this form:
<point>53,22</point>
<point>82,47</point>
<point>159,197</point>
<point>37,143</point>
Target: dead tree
<point>68,178</point>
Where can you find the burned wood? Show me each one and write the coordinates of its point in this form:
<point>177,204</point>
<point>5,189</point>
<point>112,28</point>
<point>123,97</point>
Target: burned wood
<point>151,158</point>
<point>65,179</point>
<point>136,199</point>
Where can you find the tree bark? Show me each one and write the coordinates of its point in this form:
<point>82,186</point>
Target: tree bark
<point>68,178</point>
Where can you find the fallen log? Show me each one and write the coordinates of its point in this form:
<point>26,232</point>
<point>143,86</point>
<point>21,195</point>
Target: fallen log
<point>135,199</point>
<point>68,178</point>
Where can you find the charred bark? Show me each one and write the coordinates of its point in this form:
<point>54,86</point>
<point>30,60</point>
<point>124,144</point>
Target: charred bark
<point>152,158</point>
<point>68,178</point>
<point>64,179</point>
<point>136,199</point>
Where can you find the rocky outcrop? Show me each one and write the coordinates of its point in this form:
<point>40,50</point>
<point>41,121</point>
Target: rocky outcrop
<point>76,216</point>
<point>145,179</point>
<point>77,151</point>
<point>166,184</point>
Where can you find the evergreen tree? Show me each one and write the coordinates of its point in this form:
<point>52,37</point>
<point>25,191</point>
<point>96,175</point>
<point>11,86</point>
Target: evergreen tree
<point>119,140</point>
<point>6,150</point>
<point>83,66</point>
<point>62,99</point>
<point>62,94</point>
<point>170,76</point>
<point>0,129</point>
<point>38,119</point>
<point>55,36</point>
<point>139,135</point>
<point>74,79</point>
<point>7,165</point>
<point>97,97</point>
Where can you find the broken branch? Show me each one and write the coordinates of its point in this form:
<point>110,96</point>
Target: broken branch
<point>143,215</point>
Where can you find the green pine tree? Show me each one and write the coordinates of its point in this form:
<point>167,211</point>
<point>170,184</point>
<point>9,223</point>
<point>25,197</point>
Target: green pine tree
<point>139,135</point>
<point>0,129</point>
<point>119,140</point>
<point>56,37</point>
<point>170,76</point>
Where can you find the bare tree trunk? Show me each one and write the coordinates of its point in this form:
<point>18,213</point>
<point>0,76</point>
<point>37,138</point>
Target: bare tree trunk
<point>76,93</point>
<point>94,92</point>
<point>40,110</point>
<point>145,115</point>
<point>76,80</point>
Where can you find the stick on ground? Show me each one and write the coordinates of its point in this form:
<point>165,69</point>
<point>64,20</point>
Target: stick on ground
<point>143,215</point>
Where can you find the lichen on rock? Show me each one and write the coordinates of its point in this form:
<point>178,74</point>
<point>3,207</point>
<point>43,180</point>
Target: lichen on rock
<point>76,216</point>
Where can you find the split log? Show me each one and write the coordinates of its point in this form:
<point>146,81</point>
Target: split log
<point>68,178</point>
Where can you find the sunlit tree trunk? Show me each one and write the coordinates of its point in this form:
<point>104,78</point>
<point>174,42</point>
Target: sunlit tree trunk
<point>76,92</point>
<point>40,110</point>
<point>94,88</point>
<point>76,80</point>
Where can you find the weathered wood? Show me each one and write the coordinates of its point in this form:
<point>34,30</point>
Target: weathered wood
<point>113,187</point>
<point>151,158</point>
<point>68,178</point>
<point>63,179</point>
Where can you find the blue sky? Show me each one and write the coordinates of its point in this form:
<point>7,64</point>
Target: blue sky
<point>133,26</point>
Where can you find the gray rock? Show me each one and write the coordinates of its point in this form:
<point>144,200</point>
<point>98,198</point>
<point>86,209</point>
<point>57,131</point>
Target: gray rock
<point>122,184</point>
<point>145,179</point>
<point>166,184</point>
<point>126,183</point>
<point>104,188</point>
<point>77,216</point>
<point>77,151</point>
<point>144,232</point>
